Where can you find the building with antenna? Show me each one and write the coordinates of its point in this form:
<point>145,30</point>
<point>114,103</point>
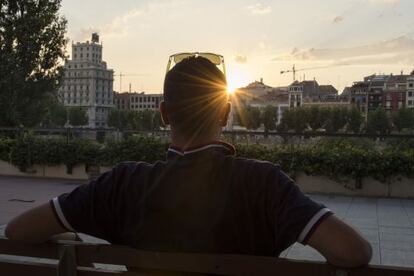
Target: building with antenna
<point>87,82</point>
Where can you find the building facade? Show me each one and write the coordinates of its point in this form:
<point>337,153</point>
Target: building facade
<point>122,100</point>
<point>391,92</point>
<point>137,101</point>
<point>410,92</point>
<point>395,93</point>
<point>88,83</point>
<point>310,92</point>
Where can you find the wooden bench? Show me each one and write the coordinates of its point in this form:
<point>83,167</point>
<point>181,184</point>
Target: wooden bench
<point>77,258</point>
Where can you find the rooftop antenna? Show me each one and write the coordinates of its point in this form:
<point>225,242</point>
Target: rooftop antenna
<point>120,75</point>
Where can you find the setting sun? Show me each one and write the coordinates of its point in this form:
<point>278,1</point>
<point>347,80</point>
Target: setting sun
<point>236,77</point>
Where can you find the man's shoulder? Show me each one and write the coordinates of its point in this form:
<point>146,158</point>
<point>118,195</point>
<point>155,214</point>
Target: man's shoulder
<point>254,171</point>
<point>134,169</point>
<point>131,166</point>
<point>255,164</point>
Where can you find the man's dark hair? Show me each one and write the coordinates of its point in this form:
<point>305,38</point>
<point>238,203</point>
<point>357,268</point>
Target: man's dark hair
<point>194,95</point>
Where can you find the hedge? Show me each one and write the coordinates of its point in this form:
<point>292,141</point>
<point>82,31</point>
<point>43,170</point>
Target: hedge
<point>337,158</point>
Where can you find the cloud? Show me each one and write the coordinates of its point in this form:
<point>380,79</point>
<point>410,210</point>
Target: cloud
<point>395,51</point>
<point>240,59</point>
<point>392,2</point>
<point>117,27</point>
<point>338,19</point>
<point>120,25</point>
<point>260,8</point>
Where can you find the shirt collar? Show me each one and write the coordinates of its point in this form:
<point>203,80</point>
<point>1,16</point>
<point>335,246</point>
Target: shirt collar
<point>218,146</point>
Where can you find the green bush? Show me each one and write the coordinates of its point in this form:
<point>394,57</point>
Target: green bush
<point>337,158</point>
<point>6,145</point>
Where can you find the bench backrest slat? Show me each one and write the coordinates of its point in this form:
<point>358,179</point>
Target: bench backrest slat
<point>48,251</point>
<point>178,262</point>
<point>12,267</point>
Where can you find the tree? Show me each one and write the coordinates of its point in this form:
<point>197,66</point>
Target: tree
<point>354,120</point>
<point>147,119</point>
<point>315,119</point>
<point>56,115</point>
<point>286,121</point>
<point>252,117</point>
<point>249,117</point>
<point>269,118</point>
<point>300,119</point>
<point>77,116</point>
<point>378,122</point>
<point>337,119</point>
<point>157,121</point>
<point>32,46</point>
<point>403,119</point>
<point>120,119</point>
<point>294,119</point>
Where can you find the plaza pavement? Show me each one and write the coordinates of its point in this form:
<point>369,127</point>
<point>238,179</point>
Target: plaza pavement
<point>387,223</point>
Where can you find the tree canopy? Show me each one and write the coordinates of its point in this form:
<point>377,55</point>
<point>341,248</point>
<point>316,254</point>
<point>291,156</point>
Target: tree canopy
<point>32,46</point>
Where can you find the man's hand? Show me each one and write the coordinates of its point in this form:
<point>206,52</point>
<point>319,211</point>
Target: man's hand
<point>340,244</point>
<point>36,225</point>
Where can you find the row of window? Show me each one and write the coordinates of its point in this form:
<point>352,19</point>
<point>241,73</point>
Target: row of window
<point>87,49</point>
<point>87,56</point>
<point>72,73</point>
<point>105,83</point>
<point>85,88</point>
<point>97,95</point>
<point>143,106</point>
<point>143,99</point>
<point>86,101</point>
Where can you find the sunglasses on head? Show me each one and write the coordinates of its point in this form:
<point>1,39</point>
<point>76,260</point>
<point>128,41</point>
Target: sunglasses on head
<point>217,60</point>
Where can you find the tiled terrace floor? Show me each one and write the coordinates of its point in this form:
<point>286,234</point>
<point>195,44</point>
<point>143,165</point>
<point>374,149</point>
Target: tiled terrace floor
<point>387,223</point>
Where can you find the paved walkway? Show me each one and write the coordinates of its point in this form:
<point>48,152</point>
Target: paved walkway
<point>387,223</point>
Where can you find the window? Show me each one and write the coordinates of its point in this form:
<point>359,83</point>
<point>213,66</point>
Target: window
<point>410,94</point>
<point>410,102</point>
<point>411,85</point>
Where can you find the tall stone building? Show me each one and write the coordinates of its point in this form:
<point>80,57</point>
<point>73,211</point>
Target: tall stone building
<point>88,83</point>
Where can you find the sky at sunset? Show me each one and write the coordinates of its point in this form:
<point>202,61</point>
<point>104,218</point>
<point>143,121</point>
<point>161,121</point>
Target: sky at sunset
<point>345,39</point>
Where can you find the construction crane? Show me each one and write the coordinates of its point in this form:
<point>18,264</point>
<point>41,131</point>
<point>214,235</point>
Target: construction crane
<point>120,75</point>
<point>294,70</point>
